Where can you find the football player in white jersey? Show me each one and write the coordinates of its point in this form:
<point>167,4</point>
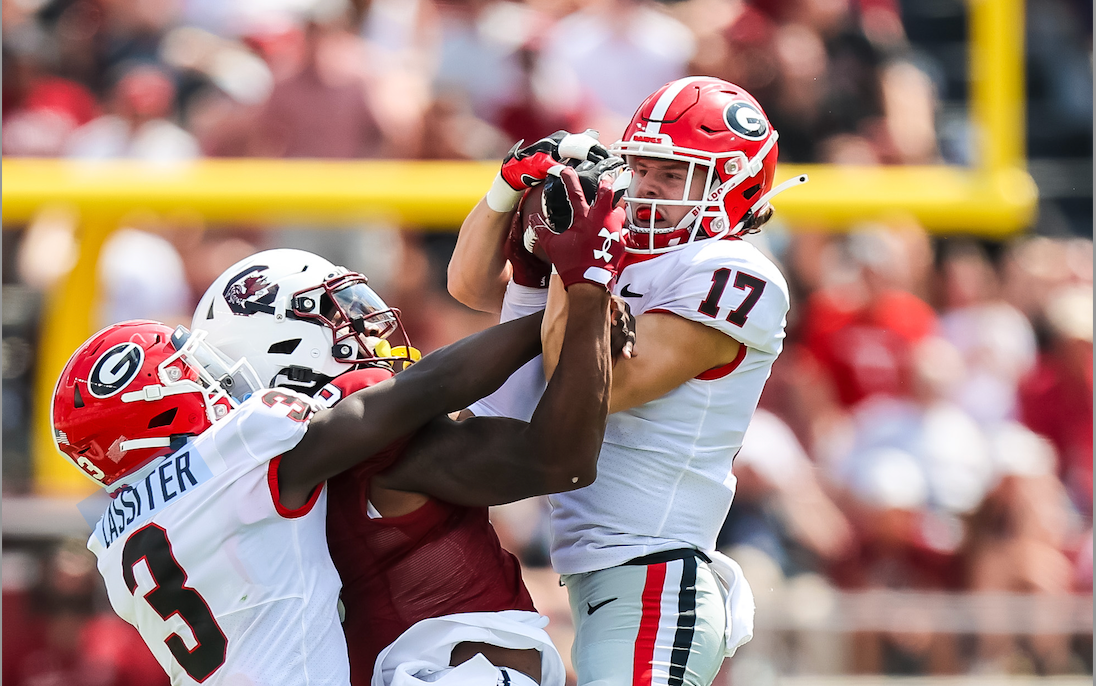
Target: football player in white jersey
<point>652,602</point>
<point>213,543</point>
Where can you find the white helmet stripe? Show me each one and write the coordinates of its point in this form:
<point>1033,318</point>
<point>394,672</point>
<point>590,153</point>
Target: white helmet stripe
<point>667,99</point>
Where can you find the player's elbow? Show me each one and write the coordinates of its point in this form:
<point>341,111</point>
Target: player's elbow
<point>568,481</point>
<point>456,284</point>
<point>582,479</point>
<point>576,471</point>
<point>467,294</point>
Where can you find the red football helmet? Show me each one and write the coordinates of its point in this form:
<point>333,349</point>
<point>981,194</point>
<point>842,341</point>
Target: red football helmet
<point>133,389</point>
<point>720,131</point>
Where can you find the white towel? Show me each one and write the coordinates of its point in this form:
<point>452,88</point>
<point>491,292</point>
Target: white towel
<point>422,653</point>
<point>739,599</point>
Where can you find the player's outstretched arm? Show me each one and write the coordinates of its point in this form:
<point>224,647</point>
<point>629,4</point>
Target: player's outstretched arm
<point>369,420</point>
<point>494,460</point>
<point>478,271</point>
<point>489,460</point>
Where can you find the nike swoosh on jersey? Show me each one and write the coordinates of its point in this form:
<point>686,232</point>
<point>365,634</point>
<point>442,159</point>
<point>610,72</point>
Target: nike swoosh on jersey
<point>591,609</point>
<point>628,294</point>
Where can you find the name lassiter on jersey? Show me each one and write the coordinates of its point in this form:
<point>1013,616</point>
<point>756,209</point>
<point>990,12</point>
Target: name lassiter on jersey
<point>221,580</point>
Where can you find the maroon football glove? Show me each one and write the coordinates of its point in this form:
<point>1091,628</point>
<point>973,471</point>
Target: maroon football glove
<point>592,248</point>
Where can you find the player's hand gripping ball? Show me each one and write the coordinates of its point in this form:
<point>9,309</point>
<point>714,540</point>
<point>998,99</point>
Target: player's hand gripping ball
<point>545,207</point>
<point>592,248</point>
<point>530,269</point>
<point>555,203</point>
<point>529,166</point>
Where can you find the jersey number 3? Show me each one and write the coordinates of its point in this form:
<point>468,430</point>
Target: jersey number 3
<point>742,281</point>
<point>172,596</point>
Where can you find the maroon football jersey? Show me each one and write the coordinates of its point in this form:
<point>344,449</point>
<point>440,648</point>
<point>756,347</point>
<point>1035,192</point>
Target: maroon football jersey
<point>438,560</point>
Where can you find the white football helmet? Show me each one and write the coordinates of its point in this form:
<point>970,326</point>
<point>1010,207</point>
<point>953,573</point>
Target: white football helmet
<point>299,320</point>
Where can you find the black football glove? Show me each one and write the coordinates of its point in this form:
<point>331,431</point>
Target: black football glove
<point>555,202</point>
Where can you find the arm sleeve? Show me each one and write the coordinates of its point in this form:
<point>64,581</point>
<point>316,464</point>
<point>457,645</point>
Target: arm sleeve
<point>345,384</point>
<point>732,287</point>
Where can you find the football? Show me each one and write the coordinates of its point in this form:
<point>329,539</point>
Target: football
<point>556,208</point>
<point>532,216</point>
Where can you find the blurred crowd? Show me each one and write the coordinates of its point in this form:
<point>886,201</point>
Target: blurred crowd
<point>462,79</point>
<point>929,425</point>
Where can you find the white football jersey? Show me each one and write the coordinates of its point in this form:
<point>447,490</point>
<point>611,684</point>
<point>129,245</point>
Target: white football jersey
<point>224,584</point>
<point>518,397</point>
<point>664,478</point>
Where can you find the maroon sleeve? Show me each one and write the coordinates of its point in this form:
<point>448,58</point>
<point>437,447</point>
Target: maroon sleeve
<point>356,380</point>
<point>344,385</point>
<point>361,378</point>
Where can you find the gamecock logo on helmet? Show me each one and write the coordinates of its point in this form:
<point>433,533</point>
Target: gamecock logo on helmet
<point>249,292</point>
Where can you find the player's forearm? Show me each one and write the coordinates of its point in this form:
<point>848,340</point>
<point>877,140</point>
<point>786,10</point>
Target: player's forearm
<point>443,381</point>
<point>554,326</point>
<point>569,423</point>
<point>478,271</point>
<point>473,367</point>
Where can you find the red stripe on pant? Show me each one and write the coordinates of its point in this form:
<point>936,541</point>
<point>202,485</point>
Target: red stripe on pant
<point>648,625</point>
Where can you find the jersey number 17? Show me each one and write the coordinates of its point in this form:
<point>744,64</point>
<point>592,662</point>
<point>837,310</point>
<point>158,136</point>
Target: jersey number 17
<point>742,281</point>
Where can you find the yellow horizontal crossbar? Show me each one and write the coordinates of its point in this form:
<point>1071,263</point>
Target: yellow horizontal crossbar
<point>438,194</point>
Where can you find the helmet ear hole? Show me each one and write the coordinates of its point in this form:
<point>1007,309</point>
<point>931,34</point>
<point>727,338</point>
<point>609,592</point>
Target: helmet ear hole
<point>327,307</point>
<point>284,347</point>
<point>163,419</point>
<point>78,399</point>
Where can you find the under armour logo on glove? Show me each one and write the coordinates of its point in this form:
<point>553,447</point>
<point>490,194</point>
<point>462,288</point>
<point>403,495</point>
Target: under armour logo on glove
<point>592,248</point>
<point>610,237</point>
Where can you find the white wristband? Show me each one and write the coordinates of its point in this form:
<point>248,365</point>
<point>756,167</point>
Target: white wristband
<point>598,275</point>
<point>502,198</point>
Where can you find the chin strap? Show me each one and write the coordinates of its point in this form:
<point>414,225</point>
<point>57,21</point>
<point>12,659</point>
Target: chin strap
<point>790,183</point>
<point>174,443</point>
<point>300,379</point>
<point>157,442</point>
<point>154,392</point>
